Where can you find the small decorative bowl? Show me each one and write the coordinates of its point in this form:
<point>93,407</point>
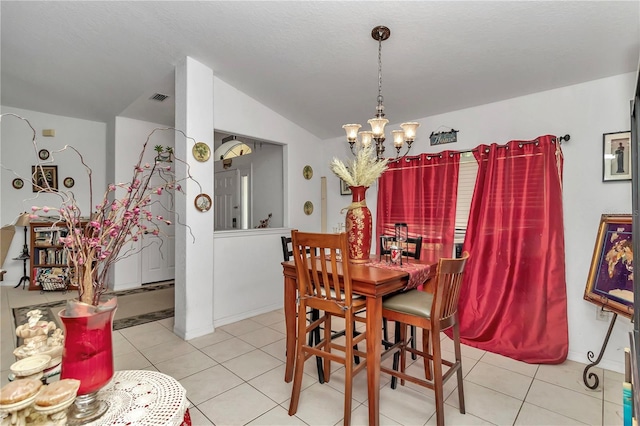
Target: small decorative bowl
<point>30,365</point>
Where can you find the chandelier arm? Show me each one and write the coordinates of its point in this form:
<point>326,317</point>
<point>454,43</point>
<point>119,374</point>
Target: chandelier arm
<point>400,157</point>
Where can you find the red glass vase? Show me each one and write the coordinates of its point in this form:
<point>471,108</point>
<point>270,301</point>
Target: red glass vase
<point>358,226</point>
<point>88,355</point>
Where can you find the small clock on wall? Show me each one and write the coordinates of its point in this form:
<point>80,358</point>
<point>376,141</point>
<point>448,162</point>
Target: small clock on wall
<point>43,154</point>
<point>69,182</point>
<point>18,183</point>
<point>202,202</point>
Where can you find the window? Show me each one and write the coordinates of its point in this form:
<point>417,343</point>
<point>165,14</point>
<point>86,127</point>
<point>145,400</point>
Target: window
<point>466,182</point>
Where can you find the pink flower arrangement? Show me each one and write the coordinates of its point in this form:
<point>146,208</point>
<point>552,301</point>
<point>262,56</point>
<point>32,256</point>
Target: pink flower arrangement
<point>122,217</point>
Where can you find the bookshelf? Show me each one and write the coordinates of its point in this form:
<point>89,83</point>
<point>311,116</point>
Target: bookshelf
<point>49,270</point>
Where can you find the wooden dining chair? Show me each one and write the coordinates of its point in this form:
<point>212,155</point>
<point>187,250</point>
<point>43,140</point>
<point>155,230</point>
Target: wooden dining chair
<point>312,314</point>
<point>320,287</point>
<point>433,313</point>
<point>412,249</point>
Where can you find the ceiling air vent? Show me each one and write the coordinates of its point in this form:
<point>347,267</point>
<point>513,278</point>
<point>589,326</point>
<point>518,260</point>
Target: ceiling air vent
<point>159,97</point>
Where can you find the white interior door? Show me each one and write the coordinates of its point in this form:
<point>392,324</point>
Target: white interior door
<point>226,203</point>
<point>158,255</point>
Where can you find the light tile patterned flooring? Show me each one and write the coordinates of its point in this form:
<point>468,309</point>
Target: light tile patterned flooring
<point>234,376</point>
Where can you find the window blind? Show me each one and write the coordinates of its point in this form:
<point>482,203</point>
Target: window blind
<point>466,182</point>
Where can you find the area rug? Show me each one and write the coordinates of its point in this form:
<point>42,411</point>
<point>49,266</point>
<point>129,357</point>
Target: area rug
<point>136,306</point>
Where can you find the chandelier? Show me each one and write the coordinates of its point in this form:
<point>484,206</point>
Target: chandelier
<point>376,134</point>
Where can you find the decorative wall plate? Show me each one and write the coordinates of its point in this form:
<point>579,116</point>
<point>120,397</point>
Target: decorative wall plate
<point>69,182</point>
<point>202,202</point>
<point>201,151</point>
<point>18,183</point>
<point>43,154</point>
<point>307,172</point>
<point>308,208</point>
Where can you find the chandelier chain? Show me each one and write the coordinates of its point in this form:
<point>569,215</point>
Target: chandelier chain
<point>380,98</point>
<point>403,137</point>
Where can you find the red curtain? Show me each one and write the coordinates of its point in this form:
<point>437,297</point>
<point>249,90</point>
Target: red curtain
<point>421,191</point>
<point>513,299</point>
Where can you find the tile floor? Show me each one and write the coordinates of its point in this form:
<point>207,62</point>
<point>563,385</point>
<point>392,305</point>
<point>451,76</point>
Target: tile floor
<point>234,376</point>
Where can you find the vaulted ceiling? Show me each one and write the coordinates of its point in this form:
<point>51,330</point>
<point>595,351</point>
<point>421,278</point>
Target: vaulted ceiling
<point>313,62</point>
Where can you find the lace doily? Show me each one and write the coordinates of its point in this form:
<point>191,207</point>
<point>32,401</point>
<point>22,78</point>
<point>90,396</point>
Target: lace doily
<point>145,398</point>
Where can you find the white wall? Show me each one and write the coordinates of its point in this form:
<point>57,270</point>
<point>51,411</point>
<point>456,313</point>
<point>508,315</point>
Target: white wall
<point>247,272</point>
<point>130,136</point>
<point>585,112</point>
<point>17,155</point>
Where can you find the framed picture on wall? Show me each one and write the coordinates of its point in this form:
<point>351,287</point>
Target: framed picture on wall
<point>344,188</point>
<point>616,156</point>
<point>44,178</point>
<point>610,281</point>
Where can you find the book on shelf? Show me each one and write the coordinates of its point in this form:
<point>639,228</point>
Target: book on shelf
<point>48,236</point>
<point>51,255</point>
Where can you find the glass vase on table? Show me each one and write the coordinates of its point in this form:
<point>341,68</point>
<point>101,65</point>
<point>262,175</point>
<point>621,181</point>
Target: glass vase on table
<point>402,235</point>
<point>88,355</point>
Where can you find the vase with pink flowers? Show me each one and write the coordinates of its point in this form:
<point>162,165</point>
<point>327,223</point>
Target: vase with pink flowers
<point>96,240</point>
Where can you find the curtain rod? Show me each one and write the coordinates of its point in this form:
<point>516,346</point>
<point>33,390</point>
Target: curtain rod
<point>566,137</point>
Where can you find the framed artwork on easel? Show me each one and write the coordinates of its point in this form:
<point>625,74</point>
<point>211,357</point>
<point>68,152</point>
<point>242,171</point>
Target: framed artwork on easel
<point>610,281</point>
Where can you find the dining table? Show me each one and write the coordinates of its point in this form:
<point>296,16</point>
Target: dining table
<point>373,280</point>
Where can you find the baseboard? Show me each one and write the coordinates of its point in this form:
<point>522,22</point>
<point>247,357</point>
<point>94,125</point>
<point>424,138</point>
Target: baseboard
<point>219,322</point>
<point>617,367</point>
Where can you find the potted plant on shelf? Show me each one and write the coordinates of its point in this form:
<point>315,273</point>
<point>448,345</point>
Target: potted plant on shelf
<point>95,242</point>
<point>359,173</point>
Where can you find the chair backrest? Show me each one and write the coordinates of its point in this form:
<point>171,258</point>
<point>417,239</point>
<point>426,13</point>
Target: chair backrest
<point>323,280</point>
<point>416,243</point>
<point>287,250</point>
<point>447,290</point>
<point>412,247</point>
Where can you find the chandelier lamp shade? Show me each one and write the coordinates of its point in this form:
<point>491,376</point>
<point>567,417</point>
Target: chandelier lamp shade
<point>376,134</point>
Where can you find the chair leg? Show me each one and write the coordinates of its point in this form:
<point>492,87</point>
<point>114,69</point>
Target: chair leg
<point>456,346</point>
<point>299,366</point>
<point>403,350</point>
<point>385,332</point>
<point>413,342</point>
<point>437,379</point>
<point>314,339</point>
<point>396,357</point>
<point>348,373</point>
<point>426,348</point>
<point>327,347</point>
<point>356,358</point>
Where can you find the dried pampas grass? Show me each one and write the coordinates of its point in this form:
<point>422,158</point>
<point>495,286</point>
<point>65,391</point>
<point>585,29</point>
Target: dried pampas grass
<point>363,170</point>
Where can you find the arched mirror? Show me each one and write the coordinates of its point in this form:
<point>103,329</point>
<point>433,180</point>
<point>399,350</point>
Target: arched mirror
<point>248,182</point>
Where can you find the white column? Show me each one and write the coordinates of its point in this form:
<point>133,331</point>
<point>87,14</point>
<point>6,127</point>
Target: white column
<point>194,242</point>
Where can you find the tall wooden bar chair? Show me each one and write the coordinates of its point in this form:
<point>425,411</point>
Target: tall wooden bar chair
<point>432,313</point>
<point>412,249</point>
<point>320,287</point>
<point>312,314</point>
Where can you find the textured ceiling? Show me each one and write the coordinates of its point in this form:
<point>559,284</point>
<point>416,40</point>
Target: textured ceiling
<point>314,63</point>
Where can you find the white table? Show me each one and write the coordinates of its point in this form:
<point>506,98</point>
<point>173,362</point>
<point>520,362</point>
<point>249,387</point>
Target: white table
<point>144,398</point>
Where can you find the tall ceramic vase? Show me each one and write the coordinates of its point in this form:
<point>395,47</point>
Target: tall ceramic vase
<point>358,226</point>
<point>88,355</point>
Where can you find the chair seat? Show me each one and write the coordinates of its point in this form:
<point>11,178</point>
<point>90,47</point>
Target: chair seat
<point>412,302</point>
